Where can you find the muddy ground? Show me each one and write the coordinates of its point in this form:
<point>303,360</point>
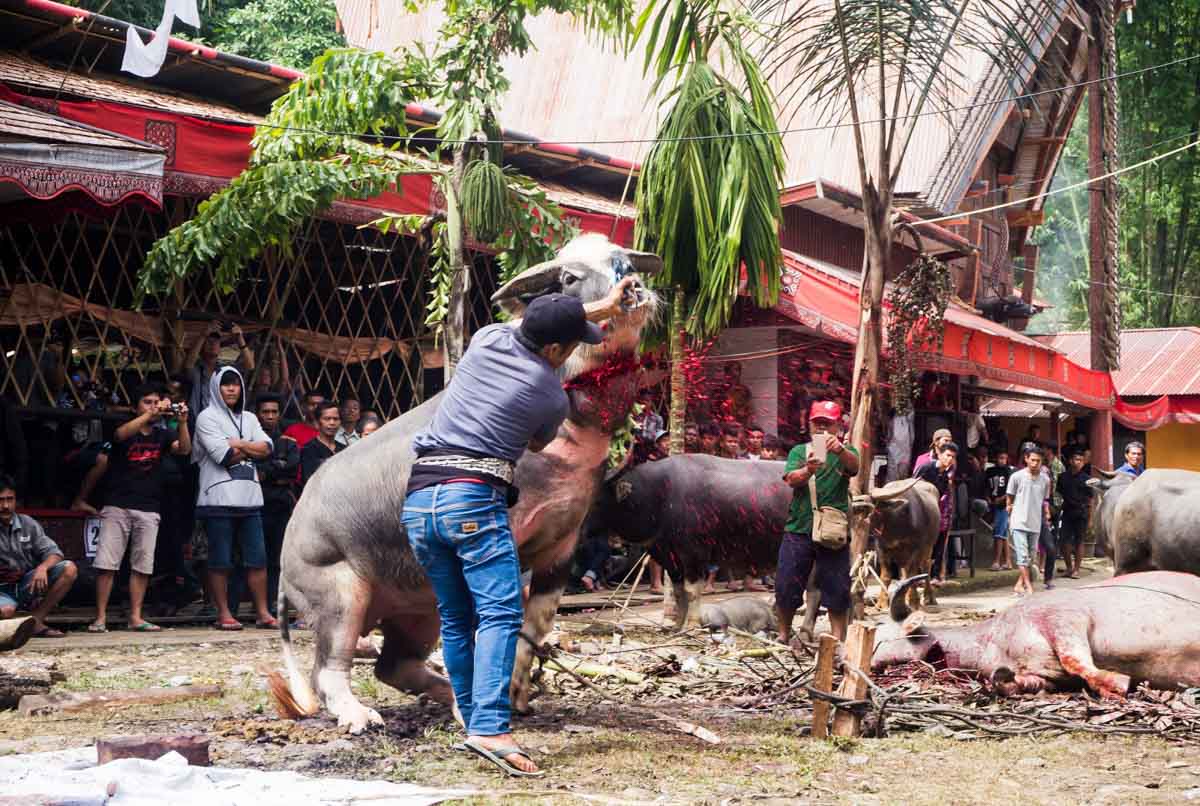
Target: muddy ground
<point>626,751</point>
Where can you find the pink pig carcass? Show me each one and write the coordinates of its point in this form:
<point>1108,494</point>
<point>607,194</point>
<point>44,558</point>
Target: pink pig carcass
<point>1110,637</point>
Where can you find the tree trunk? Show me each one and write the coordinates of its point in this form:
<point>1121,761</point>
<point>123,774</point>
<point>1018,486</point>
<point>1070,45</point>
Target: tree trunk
<point>455,326</point>
<point>678,411</point>
<point>867,353</point>
<point>14,632</point>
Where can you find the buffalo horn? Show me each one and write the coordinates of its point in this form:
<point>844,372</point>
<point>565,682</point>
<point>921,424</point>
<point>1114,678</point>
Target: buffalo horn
<point>899,609</point>
<point>1108,474</point>
<point>877,495</point>
<point>533,282</point>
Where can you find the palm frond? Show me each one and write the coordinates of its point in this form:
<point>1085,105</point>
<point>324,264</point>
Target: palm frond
<point>708,196</point>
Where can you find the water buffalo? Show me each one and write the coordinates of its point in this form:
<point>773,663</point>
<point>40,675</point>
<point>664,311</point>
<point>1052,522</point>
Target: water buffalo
<point>1151,523</point>
<point>346,563</point>
<point>1109,636</point>
<point>908,518</point>
<point>692,510</point>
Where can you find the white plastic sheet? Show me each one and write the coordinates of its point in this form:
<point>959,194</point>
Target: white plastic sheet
<point>146,60</point>
<point>73,776</point>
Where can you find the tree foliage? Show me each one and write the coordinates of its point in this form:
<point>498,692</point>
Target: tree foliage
<point>1159,261</point>
<point>708,194</point>
<point>288,32</point>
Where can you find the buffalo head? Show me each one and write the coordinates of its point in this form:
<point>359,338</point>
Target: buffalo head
<point>1111,486</point>
<point>904,638</point>
<point>588,267</point>
<point>888,500</point>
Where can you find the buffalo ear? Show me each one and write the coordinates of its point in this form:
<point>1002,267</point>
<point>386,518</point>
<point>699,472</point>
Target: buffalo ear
<point>644,263</point>
<point>914,625</point>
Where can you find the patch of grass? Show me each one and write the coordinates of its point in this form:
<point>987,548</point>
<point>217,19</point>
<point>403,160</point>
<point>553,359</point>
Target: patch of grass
<point>92,681</point>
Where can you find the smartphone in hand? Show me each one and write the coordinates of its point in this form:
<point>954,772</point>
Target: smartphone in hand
<point>817,449</point>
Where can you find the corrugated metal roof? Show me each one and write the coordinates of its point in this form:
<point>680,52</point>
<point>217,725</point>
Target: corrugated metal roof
<point>23,123</point>
<point>1154,361</point>
<point>575,89</point>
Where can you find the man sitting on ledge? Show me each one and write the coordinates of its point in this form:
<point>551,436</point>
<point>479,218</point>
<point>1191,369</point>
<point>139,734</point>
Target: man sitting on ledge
<point>34,577</point>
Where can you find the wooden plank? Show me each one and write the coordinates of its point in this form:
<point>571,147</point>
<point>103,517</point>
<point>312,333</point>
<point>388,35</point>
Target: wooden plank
<point>1043,141</point>
<point>192,746</point>
<point>860,644</point>
<point>823,681</point>
<point>1025,218</point>
<point>71,701</point>
<point>1006,180</point>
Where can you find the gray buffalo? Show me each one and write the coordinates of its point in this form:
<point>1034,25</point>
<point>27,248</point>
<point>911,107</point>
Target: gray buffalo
<point>347,566</point>
<point>908,519</point>
<point>1151,523</point>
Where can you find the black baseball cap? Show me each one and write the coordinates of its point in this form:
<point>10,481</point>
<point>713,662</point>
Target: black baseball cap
<point>558,319</point>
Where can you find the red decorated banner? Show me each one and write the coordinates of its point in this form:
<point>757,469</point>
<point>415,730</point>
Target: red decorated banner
<point>202,156</point>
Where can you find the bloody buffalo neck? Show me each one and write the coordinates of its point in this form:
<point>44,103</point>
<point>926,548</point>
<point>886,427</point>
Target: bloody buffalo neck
<point>603,397</point>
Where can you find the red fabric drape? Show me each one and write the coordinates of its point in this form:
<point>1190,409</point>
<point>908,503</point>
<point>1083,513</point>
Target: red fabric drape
<point>1166,409</point>
<point>205,149</point>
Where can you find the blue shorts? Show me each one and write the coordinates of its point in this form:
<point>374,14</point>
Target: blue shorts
<point>798,555</point>
<point>1024,546</point>
<point>247,531</point>
<point>1000,523</point>
<point>20,594</point>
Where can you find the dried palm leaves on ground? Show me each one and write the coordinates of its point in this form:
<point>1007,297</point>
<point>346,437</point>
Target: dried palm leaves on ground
<point>737,673</point>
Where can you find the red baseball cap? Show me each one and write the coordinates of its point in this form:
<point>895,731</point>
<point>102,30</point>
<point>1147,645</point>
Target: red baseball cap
<point>825,410</point>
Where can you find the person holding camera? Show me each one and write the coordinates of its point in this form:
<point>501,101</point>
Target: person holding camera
<point>229,440</point>
<point>205,357</point>
<point>819,474</point>
<point>135,487</point>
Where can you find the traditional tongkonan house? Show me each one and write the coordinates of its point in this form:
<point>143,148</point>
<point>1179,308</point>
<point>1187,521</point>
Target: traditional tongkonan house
<point>95,165</point>
<point>994,149</point>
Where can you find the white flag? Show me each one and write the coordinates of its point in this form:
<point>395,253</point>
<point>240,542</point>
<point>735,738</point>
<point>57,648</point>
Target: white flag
<point>146,60</point>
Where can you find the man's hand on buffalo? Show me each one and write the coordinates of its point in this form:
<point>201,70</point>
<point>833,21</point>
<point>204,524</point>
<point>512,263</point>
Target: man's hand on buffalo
<point>610,306</point>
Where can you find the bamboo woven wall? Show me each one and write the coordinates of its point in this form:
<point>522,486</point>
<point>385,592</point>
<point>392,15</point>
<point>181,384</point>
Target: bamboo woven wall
<point>347,308</point>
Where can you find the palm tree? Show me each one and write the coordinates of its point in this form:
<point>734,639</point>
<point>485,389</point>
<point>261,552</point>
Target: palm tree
<point>879,66</point>
<point>708,194</point>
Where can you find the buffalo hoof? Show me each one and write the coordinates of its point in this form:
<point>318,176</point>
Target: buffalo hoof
<point>358,718</point>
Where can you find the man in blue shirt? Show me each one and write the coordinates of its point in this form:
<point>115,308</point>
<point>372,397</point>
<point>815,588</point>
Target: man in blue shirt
<point>1135,459</point>
<point>505,397</point>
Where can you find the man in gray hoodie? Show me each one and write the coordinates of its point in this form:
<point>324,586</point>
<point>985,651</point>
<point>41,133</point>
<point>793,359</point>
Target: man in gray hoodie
<point>228,441</point>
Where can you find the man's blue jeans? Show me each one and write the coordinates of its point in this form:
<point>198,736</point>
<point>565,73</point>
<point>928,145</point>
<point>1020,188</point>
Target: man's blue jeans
<point>459,533</point>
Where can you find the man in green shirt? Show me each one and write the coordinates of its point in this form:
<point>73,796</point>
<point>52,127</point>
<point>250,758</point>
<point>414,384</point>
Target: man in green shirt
<point>798,554</point>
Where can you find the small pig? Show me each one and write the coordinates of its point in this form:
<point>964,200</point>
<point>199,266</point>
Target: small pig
<point>746,613</point>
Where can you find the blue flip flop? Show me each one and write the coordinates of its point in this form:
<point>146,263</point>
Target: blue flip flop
<point>498,756</point>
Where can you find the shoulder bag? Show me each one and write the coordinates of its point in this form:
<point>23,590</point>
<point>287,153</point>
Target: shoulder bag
<point>830,526</point>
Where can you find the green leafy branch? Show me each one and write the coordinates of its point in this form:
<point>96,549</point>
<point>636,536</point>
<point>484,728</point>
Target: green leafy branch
<point>262,207</point>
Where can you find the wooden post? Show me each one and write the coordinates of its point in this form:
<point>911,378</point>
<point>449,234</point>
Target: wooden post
<point>678,412</point>
<point>860,645</point>
<point>823,681</point>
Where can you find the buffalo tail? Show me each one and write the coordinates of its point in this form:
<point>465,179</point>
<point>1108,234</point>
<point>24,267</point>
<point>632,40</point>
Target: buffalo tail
<point>293,697</point>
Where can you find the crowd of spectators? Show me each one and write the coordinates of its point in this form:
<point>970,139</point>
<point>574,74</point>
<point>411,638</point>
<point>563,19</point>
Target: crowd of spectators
<point>193,490</point>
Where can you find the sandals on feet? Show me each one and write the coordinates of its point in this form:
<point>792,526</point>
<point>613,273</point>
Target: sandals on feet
<point>499,756</point>
<point>48,632</point>
<point>146,626</point>
<point>97,627</point>
<point>267,624</point>
<point>232,625</point>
